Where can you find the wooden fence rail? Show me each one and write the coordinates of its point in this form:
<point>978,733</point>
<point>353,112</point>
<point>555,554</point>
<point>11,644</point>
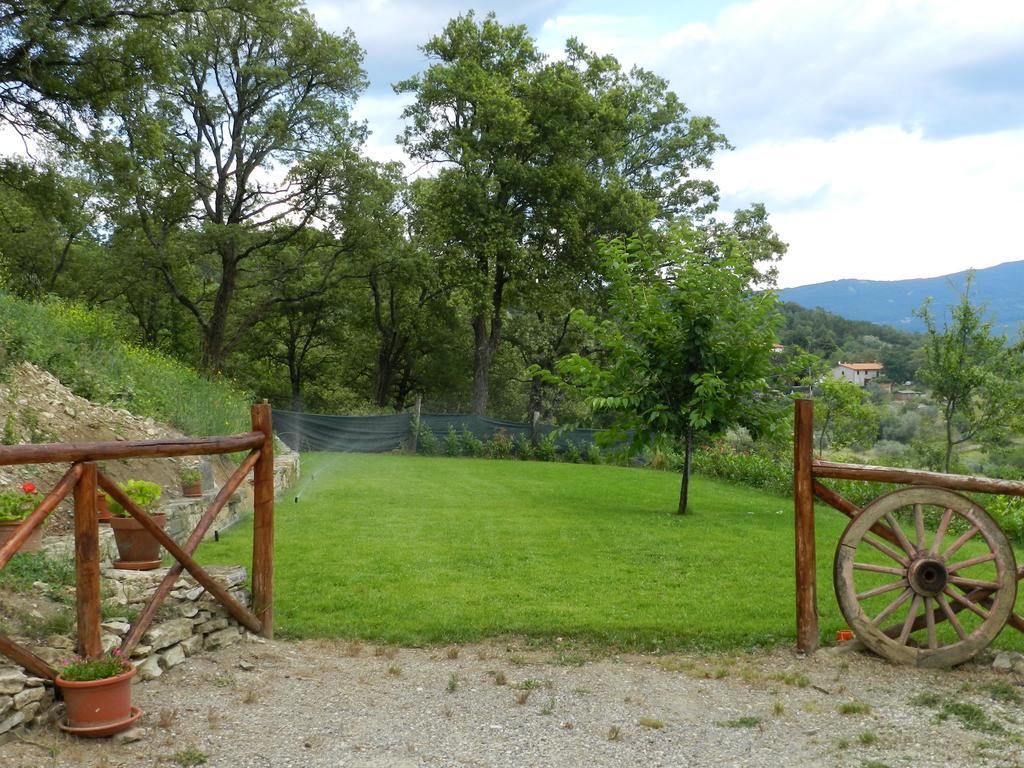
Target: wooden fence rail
<point>83,479</point>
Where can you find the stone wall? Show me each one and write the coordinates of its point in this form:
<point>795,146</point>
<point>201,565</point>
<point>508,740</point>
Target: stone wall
<point>189,621</point>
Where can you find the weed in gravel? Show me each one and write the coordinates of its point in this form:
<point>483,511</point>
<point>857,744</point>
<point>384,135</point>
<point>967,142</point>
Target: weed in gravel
<point>717,673</point>
<point>842,744</point>
<point>674,664</point>
<point>651,722</point>
<point>528,684</point>
<point>582,691</point>
<point>166,717</point>
<point>353,649</point>
<point>799,679</point>
<point>189,756</point>
<point>570,659</point>
<point>548,708</point>
<point>854,708</point>
<point>448,711</point>
<point>522,697</point>
<point>1004,692</point>
<point>926,699</point>
<point>394,670</point>
<point>873,764</point>
<point>453,683</point>
<point>386,652</point>
<point>252,695</point>
<point>516,660</point>
<point>615,733</point>
<point>747,721</point>
<point>500,679</point>
<point>213,719</point>
<point>778,709</point>
<point>452,653</point>
<point>971,717</point>
<point>867,738</point>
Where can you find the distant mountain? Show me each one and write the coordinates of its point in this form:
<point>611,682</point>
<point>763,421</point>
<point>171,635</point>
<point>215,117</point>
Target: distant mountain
<point>999,288</point>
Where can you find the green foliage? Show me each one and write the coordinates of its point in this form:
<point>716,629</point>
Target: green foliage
<point>81,670</point>
<point>571,454</point>
<point>844,415</point>
<point>686,341</point>
<point>190,476</point>
<point>501,445</point>
<point>84,348</point>
<point>592,453</point>
<point>144,493</point>
<point>524,448</point>
<point>975,376</point>
<point>17,505</point>
<point>426,440</point>
<point>1008,511</point>
<point>547,448</point>
<point>470,444</point>
<point>452,443</point>
<point>26,568</point>
<point>745,468</point>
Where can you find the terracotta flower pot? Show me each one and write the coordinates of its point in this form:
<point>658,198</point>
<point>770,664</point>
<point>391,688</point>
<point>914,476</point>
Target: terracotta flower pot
<point>96,705</point>
<point>102,508</point>
<point>192,490</point>
<point>138,550</point>
<point>32,543</point>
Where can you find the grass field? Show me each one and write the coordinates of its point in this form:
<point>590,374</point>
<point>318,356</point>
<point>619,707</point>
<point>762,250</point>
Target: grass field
<point>417,550</point>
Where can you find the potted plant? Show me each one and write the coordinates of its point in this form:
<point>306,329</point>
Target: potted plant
<point>102,507</point>
<point>191,483</point>
<point>15,506</point>
<point>137,548</point>
<point>97,694</point>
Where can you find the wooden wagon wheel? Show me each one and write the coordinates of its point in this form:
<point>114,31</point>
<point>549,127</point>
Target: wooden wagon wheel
<point>898,600</point>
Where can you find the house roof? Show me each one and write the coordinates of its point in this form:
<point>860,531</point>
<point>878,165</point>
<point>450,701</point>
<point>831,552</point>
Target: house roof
<point>862,366</point>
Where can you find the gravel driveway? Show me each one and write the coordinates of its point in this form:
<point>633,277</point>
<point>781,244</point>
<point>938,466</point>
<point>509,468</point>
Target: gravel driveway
<point>278,704</point>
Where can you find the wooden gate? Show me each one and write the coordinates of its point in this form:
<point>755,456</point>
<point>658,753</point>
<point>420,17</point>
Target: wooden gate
<point>933,579</point>
<point>83,479</point>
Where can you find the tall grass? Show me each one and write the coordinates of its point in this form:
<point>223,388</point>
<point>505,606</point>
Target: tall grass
<point>85,350</point>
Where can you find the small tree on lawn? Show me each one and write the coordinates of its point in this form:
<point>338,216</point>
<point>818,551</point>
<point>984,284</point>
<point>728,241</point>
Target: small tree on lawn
<point>974,376</point>
<point>686,346</point>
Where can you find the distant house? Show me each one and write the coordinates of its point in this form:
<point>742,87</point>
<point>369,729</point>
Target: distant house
<point>778,349</point>
<point>858,373</point>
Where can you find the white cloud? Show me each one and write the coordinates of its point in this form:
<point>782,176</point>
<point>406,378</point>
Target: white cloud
<point>884,203</point>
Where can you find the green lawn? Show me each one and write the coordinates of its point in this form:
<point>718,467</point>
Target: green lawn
<point>417,550</point>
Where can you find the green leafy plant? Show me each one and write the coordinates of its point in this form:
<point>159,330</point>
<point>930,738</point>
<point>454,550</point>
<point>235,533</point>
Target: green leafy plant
<point>190,476</point>
<point>17,505</point>
<point>144,493</point>
<point>81,670</point>
<point>452,446</point>
<point>547,448</point>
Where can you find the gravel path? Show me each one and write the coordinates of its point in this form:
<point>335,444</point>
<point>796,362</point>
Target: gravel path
<point>277,704</point>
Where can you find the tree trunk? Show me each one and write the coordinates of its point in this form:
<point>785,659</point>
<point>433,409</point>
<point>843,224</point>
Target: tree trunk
<point>483,353</point>
<point>215,333</point>
<point>949,445</point>
<point>536,400</point>
<point>684,487</point>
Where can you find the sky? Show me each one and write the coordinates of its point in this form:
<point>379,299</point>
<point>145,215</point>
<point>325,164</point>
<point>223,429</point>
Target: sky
<point>885,137</point>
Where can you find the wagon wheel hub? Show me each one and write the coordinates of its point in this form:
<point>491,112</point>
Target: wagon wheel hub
<point>927,576</point>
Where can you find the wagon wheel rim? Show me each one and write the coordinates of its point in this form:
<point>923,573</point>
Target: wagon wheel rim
<point>938,594</point>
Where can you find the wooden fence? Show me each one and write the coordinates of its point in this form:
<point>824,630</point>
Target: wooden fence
<point>83,479</point>
<point>954,595</point>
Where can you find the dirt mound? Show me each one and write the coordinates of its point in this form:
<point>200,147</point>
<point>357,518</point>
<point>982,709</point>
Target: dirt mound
<point>36,408</point>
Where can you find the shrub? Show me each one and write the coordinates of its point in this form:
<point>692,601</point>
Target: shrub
<point>500,446</point>
<point>452,446</point>
<point>523,447</point>
<point>471,445</point>
<point>426,441</point>
<point>547,449</point>
<point>572,453</point>
<point>592,453</point>
<point>1008,511</point>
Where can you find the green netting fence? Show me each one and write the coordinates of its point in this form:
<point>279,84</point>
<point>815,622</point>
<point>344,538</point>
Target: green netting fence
<point>379,434</point>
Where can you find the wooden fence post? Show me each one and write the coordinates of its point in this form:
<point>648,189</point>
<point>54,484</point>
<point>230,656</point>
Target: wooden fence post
<point>263,522</point>
<point>87,563</point>
<point>803,507</point>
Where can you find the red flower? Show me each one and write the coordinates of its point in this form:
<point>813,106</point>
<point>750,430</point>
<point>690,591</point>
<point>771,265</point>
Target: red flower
<point>28,487</point>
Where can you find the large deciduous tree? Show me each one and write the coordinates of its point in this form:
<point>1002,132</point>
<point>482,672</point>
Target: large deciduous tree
<point>686,344</point>
<point>975,376</point>
<point>221,166</point>
<point>536,159</point>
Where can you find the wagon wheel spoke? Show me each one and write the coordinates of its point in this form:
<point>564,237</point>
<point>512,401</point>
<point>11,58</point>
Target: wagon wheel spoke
<point>929,617</point>
<point>900,535</point>
<point>940,533</point>
<point>908,623</point>
<point>967,603</point>
<point>951,616</point>
<point>966,536</point>
<point>892,607</point>
<point>919,526</point>
<point>973,561</point>
<point>886,551</point>
<point>882,589</point>
<point>879,569</point>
